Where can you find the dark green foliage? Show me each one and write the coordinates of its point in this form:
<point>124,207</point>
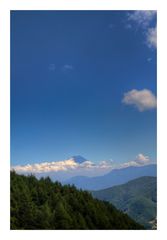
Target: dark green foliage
<point>137,198</point>
<point>42,204</point>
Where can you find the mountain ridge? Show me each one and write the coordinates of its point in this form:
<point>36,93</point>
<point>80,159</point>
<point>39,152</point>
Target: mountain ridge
<point>114,177</point>
<point>137,198</point>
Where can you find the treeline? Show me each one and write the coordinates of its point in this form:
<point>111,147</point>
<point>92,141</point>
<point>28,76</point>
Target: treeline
<point>43,204</point>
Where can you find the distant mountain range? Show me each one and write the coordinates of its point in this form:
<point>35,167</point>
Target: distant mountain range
<point>137,198</point>
<point>115,177</point>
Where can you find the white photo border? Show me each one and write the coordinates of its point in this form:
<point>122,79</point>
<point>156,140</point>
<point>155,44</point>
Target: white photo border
<point>5,7</point>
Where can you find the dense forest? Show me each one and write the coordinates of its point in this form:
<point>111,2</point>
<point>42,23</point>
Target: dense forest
<point>43,204</point>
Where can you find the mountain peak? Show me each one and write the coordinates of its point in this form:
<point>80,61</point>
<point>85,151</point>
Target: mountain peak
<point>79,159</point>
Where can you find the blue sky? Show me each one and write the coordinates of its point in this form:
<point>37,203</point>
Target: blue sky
<point>70,71</point>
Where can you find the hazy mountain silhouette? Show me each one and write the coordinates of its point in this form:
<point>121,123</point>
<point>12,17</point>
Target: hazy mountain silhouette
<point>115,177</point>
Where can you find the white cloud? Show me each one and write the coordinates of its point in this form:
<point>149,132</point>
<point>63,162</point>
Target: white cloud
<point>140,160</point>
<point>142,18</point>
<point>106,164</point>
<point>46,166</point>
<point>142,99</point>
<point>67,67</point>
<point>128,164</point>
<point>65,165</point>
<point>151,37</point>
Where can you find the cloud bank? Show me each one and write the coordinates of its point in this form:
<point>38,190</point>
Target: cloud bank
<point>66,165</point>
<point>69,168</point>
<point>142,99</point>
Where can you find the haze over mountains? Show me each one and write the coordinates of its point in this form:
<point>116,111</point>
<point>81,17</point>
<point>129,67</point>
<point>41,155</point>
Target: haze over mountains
<point>115,177</point>
<point>78,166</point>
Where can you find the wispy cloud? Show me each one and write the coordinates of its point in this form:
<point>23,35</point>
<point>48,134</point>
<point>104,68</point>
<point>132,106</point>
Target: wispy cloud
<point>67,67</point>
<point>151,37</point>
<point>64,68</point>
<point>141,18</point>
<point>142,99</point>
<point>149,59</point>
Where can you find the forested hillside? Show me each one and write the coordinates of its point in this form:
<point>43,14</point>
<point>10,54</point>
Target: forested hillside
<point>42,204</point>
<point>137,198</point>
